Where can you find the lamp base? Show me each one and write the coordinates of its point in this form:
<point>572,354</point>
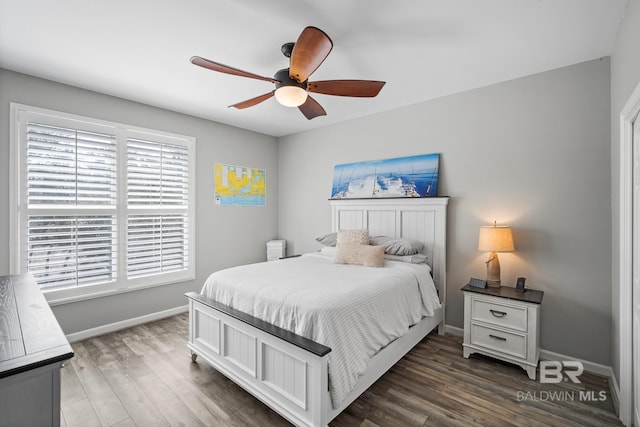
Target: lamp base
<point>494,283</point>
<point>493,271</point>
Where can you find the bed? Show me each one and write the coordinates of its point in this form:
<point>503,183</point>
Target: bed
<point>289,371</point>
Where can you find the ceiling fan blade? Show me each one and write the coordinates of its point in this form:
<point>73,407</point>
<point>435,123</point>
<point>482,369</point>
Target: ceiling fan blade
<point>357,88</point>
<point>308,53</point>
<point>311,109</point>
<point>221,68</point>
<point>253,101</point>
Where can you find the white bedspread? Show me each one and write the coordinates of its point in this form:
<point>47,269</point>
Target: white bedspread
<point>354,310</point>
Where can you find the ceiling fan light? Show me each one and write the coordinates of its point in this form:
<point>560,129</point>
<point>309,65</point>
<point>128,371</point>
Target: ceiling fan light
<point>291,96</point>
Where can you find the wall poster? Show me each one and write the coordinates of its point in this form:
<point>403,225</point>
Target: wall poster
<point>415,176</point>
<point>239,185</point>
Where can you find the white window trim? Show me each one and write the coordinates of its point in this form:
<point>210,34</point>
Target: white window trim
<point>122,284</point>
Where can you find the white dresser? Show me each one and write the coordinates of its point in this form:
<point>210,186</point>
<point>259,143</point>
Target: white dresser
<point>502,323</point>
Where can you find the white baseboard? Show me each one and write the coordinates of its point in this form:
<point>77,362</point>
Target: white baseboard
<point>112,327</point>
<point>596,368</point>
<point>453,330</point>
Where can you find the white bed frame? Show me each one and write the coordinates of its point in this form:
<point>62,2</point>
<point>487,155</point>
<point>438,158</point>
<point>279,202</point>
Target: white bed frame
<point>289,373</point>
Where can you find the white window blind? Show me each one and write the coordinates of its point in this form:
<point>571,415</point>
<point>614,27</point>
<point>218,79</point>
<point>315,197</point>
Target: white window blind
<point>158,178</point>
<point>70,168</point>
<point>99,207</point>
<point>157,174</point>
<point>156,244</point>
<point>71,250</point>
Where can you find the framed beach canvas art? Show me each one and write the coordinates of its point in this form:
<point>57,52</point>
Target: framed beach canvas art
<point>414,176</point>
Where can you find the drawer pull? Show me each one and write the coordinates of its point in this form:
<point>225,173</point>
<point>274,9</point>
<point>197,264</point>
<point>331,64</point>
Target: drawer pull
<point>495,337</point>
<point>497,313</point>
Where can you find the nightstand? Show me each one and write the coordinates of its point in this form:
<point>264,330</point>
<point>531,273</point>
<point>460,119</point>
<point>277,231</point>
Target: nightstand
<point>504,324</point>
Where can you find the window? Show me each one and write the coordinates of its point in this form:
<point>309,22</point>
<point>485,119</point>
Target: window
<point>157,177</point>
<point>99,207</point>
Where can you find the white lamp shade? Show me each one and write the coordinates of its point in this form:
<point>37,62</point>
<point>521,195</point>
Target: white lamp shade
<point>495,239</point>
<point>291,96</point>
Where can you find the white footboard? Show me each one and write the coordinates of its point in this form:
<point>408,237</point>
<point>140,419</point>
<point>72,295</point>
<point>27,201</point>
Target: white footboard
<point>285,371</point>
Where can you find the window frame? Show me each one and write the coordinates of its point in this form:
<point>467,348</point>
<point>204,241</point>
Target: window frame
<point>19,116</point>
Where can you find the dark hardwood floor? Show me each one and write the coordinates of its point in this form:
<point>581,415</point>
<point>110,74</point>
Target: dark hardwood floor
<point>143,376</point>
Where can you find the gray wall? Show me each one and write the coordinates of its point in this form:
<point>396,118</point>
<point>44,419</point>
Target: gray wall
<point>625,76</point>
<point>226,236</point>
<point>533,153</point>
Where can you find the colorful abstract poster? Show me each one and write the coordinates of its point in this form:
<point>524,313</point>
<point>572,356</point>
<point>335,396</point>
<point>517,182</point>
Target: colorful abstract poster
<point>239,186</point>
<point>415,176</point>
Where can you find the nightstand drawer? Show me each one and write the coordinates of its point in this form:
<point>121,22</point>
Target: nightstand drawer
<point>504,342</point>
<point>507,316</point>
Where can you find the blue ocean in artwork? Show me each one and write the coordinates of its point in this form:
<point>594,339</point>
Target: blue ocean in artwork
<point>415,176</point>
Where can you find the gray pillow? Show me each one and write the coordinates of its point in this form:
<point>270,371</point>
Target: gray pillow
<point>397,245</point>
<point>328,239</point>
<point>413,259</point>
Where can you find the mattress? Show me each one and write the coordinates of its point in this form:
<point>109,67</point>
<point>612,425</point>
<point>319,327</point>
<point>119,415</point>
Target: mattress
<point>354,310</point>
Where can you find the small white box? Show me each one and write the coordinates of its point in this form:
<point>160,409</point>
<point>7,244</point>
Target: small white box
<point>276,249</point>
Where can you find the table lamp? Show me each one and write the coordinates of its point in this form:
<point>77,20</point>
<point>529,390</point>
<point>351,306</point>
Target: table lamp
<point>495,239</point>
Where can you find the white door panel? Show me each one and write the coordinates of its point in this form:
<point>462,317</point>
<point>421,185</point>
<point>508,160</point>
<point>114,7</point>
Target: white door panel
<point>636,272</point>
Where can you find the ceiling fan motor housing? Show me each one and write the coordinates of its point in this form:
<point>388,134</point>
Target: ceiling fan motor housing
<point>288,91</point>
<point>287,48</point>
<point>285,80</point>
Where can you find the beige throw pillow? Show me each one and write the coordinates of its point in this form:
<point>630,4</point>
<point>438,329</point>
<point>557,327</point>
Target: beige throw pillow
<point>355,237</point>
<point>369,256</point>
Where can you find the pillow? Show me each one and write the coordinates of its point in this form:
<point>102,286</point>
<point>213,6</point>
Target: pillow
<point>413,259</point>
<point>397,246</point>
<point>368,256</point>
<point>356,237</point>
<point>327,239</point>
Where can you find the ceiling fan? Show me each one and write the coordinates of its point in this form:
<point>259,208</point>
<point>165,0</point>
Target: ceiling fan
<point>292,85</point>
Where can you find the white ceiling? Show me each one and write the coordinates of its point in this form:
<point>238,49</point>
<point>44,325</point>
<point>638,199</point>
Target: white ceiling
<point>423,49</point>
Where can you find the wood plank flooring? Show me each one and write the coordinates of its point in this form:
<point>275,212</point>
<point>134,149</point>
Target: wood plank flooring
<point>143,376</point>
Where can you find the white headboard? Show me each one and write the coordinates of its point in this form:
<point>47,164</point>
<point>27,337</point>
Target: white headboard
<point>423,219</point>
